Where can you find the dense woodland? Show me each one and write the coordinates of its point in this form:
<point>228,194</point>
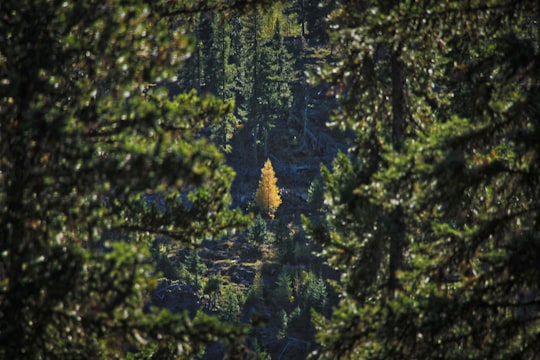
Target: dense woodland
<point>269,180</point>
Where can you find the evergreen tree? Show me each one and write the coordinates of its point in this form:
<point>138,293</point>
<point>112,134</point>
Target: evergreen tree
<point>258,231</point>
<point>218,72</point>
<point>81,153</point>
<point>274,82</point>
<point>195,268</point>
<point>212,288</point>
<point>267,195</point>
<point>231,303</point>
<point>313,292</point>
<point>283,293</point>
<point>283,324</point>
<point>256,291</point>
<point>212,40</point>
<point>284,242</point>
<point>315,199</point>
<point>189,77</point>
<point>219,75</point>
<point>312,16</point>
<point>160,254</point>
<point>264,77</point>
<point>251,56</point>
<point>443,97</point>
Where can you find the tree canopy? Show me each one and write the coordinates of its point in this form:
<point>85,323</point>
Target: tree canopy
<point>433,214</point>
<point>93,164</point>
<point>121,122</point>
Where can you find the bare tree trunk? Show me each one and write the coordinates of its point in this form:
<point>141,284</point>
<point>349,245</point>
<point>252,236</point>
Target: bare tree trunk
<point>398,101</point>
<point>255,94</point>
<point>265,143</point>
<point>255,150</point>
<point>304,114</point>
<point>223,59</point>
<point>303,12</point>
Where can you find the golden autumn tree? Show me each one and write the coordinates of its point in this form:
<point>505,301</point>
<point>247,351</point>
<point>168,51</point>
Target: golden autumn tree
<point>267,194</point>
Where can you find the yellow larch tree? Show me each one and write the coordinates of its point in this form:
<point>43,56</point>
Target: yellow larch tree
<point>267,195</point>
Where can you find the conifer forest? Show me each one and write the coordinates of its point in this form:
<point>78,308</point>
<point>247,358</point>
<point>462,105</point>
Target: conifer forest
<point>303,179</point>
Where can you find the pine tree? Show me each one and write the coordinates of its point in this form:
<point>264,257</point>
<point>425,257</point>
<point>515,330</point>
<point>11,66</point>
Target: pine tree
<point>444,171</point>
<point>256,291</point>
<point>83,155</point>
<point>264,77</point>
<point>284,242</point>
<point>231,303</point>
<point>219,77</point>
<point>212,288</point>
<point>312,17</point>
<point>267,195</point>
<point>283,292</point>
<point>275,78</point>
<point>258,230</point>
<point>315,199</point>
<point>195,268</point>
<point>283,324</point>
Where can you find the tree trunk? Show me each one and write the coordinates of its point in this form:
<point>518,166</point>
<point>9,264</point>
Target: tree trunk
<point>397,241</point>
<point>223,59</point>
<point>304,114</point>
<point>303,11</point>
<point>265,143</point>
<point>255,94</point>
<point>398,101</point>
<point>255,134</point>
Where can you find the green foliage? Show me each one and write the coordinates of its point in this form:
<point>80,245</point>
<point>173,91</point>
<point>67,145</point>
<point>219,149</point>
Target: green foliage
<point>192,270</point>
<point>166,267</point>
<point>265,74</point>
<point>222,132</point>
<point>315,199</point>
<point>258,231</point>
<point>285,243</point>
<point>256,291</point>
<point>315,14</point>
<point>282,295</point>
<point>219,75</point>
<point>85,149</point>
<point>432,216</point>
<point>231,303</point>
<point>212,288</point>
<point>301,252</point>
<point>276,76</point>
<point>249,62</point>
<point>311,291</point>
<point>160,249</point>
<point>312,17</point>
<point>283,324</point>
<point>258,350</point>
<point>241,58</point>
<point>438,196</point>
<point>298,322</point>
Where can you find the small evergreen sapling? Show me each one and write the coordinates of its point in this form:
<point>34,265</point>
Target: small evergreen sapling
<point>258,231</point>
<point>283,293</point>
<point>315,199</point>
